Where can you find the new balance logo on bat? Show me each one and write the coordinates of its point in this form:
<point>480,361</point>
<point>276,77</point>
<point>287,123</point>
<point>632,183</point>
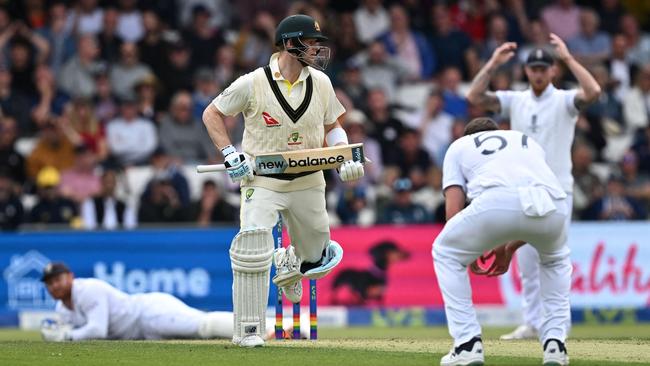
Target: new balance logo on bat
<point>281,165</point>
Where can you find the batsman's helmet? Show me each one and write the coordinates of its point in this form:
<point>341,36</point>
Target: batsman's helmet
<point>296,28</point>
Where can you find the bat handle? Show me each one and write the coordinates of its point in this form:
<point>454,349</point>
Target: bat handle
<point>210,168</point>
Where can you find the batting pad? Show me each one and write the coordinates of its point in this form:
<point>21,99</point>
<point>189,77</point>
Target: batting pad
<point>251,253</point>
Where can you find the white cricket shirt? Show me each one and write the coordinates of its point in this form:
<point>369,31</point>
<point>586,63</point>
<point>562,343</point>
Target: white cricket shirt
<point>497,159</point>
<point>550,119</point>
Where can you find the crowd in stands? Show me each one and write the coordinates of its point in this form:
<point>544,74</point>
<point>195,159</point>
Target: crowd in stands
<point>98,97</point>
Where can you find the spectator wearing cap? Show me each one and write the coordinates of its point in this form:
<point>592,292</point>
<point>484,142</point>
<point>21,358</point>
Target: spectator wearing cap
<point>129,21</point>
<point>212,207</point>
<point>448,43</point>
<point>202,37</point>
<point>402,210</point>
<point>77,75</point>
<point>184,135</point>
<point>591,45</point>
<point>206,89</point>
<point>105,210</point>
<point>615,205</point>
<point>147,94</point>
<point>109,39</point>
<point>434,125</point>
<point>12,162</point>
<point>53,149</point>
<point>371,20</point>
<point>51,207</point>
<point>80,182</point>
<point>128,72</point>
<point>409,46</point>
<point>11,209</point>
<point>131,139</point>
<point>355,125</point>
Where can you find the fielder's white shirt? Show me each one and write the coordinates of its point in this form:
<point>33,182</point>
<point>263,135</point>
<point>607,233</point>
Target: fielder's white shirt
<point>100,311</point>
<point>550,119</point>
<point>490,159</point>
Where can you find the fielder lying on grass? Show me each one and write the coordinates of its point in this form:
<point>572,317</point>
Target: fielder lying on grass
<point>88,308</point>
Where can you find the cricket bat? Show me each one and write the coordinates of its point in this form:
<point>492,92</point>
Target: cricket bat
<point>298,161</point>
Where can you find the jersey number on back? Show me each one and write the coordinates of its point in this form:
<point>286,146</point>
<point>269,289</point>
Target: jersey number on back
<point>502,143</point>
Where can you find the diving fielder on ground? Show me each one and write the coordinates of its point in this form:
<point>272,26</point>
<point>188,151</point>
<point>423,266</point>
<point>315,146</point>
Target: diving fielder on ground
<point>287,105</point>
<point>548,115</point>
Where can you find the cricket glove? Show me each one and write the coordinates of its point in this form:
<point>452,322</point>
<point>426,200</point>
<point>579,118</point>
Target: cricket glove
<point>238,166</point>
<point>54,331</point>
<point>351,170</point>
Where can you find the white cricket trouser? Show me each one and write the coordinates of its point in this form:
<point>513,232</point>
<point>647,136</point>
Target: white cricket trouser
<point>163,316</point>
<point>303,212</point>
<point>528,265</point>
<point>492,219</point>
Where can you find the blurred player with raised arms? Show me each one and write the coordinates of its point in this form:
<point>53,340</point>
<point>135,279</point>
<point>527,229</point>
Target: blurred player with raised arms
<point>287,105</point>
<point>549,116</point>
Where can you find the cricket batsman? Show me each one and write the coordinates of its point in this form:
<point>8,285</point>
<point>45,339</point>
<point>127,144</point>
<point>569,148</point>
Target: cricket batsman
<point>287,105</point>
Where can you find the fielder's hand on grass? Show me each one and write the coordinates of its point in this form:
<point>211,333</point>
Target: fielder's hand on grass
<point>53,331</point>
<point>351,170</point>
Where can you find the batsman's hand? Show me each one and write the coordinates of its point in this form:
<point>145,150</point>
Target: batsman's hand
<point>351,170</point>
<point>238,166</point>
<point>54,331</point>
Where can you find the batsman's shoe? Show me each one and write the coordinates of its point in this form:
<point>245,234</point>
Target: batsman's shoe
<point>522,332</point>
<point>469,353</point>
<point>287,268</point>
<point>555,353</point>
<point>251,340</point>
<point>332,256</point>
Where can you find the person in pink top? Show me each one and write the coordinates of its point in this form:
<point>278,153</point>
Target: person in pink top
<point>562,18</point>
<point>80,181</point>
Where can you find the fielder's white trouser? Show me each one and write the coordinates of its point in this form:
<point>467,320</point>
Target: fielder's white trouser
<point>528,265</point>
<point>490,220</point>
<point>162,316</point>
<point>303,212</point>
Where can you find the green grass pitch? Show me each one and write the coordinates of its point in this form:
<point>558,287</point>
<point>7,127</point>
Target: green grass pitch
<point>589,345</point>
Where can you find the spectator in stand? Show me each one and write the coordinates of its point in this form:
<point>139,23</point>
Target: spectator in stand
<point>168,167</point>
<point>637,184</point>
<point>496,36</point>
<point>638,42</point>
<point>206,89</point>
<point>12,162</point>
<point>635,105</point>
<point>620,68</point>
<point>152,47</point>
<point>14,104</point>
<point>110,41</point>
<point>77,75</point>
<point>352,84</point>
<point>219,10</point>
<point>409,46</point>
<point>587,187</point>
<point>254,45</point>
<point>59,37</point>
<point>129,21</point>
<point>106,104</point>
<point>178,72</point>
<point>87,17</point>
<point>590,46</point>
<point>402,210</point>
<point>105,210</point>
<point>615,205</point>
<point>385,128</point>
<point>448,43</point>
<point>53,149</point>
<point>371,20</point>
<point>352,206</point>
<point>149,103</point>
<point>128,72</point>
<point>610,12</point>
<point>225,70</point>
<point>184,135</point>
<point>50,100</point>
<point>346,44</point>
<point>11,209</point>
<point>81,127</point>
<point>538,36</point>
<point>26,50</point>
<point>51,207</point>
<point>202,37</point>
<point>212,207</point>
<point>605,114</point>
<point>562,18</point>
<point>131,139</point>
<point>355,125</point>
<point>380,70</point>
<point>469,17</point>
<point>455,102</point>
<point>162,203</point>
<point>435,127</point>
<point>411,158</point>
<point>641,147</point>
<point>80,182</point>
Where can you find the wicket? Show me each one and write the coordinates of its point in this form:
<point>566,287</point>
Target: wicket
<point>279,316</point>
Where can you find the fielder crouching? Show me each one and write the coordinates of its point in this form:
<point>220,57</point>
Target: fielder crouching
<point>88,308</point>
